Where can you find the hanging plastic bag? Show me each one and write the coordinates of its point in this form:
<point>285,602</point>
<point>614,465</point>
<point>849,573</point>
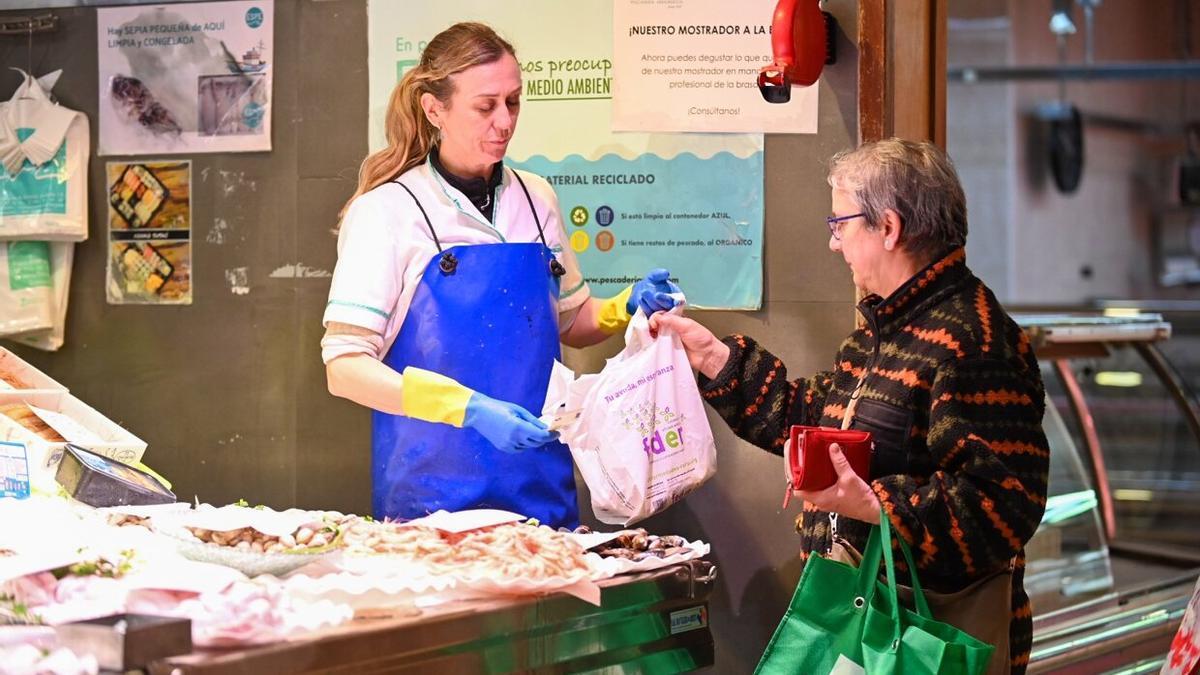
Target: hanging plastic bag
<point>62,255</point>
<point>44,151</point>
<point>642,440</point>
<point>26,289</point>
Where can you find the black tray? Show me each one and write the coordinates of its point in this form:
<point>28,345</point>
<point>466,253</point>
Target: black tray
<point>99,481</point>
<point>127,641</point>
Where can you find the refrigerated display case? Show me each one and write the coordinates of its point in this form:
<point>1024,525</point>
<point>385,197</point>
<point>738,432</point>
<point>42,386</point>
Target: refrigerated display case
<point>1115,559</point>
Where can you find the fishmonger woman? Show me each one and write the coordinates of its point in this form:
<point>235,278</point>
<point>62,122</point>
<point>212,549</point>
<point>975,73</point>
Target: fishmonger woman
<point>452,292</point>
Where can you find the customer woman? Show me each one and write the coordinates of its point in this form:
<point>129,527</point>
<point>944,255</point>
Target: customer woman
<point>944,379</point>
<point>452,292</point>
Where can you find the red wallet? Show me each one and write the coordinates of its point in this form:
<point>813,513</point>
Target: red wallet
<point>807,462</point>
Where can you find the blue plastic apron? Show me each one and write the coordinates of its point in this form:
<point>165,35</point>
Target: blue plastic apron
<point>486,316</point>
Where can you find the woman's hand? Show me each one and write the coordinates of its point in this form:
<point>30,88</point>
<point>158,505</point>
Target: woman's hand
<point>508,426</point>
<point>850,496</point>
<point>705,352</point>
<point>652,293</point>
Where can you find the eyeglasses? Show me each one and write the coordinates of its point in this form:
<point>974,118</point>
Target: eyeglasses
<point>835,224</point>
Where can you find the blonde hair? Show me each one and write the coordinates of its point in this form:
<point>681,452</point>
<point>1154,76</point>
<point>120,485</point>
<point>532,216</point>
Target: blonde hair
<point>410,136</point>
<point>917,181</point>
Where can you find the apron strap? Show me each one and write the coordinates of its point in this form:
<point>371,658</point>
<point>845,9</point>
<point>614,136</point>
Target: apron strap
<point>556,267</point>
<point>448,263</point>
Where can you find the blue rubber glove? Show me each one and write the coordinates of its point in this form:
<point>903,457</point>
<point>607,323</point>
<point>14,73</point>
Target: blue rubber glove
<point>651,293</point>
<point>508,426</point>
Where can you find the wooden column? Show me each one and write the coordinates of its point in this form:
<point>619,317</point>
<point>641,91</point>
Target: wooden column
<point>902,69</point>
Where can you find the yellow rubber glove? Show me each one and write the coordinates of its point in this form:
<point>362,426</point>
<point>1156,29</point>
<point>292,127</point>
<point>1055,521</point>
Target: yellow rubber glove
<point>614,312</point>
<point>434,398</point>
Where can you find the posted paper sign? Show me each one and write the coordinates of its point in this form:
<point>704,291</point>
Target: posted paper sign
<point>185,78</point>
<point>630,201</point>
<point>150,232</point>
<point>692,65</point>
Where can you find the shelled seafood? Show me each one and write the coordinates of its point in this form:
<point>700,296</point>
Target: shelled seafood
<point>638,544</point>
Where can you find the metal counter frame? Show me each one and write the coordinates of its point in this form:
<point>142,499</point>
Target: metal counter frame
<point>651,622</point>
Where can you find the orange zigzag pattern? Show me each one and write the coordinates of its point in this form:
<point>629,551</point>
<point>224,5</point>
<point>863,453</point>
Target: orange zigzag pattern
<point>1009,447</point>
<point>994,397</point>
<point>985,317</point>
<point>885,499</point>
<point>904,376</point>
<point>764,389</point>
<point>956,533</point>
<point>848,367</point>
<point>927,278</point>
<point>1017,447</point>
<point>938,337</point>
<point>989,507</point>
<point>1011,483</point>
<point>835,410</point>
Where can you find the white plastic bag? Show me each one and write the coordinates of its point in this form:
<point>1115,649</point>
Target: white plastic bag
<point>642,441</point>
<point>26,288</point>
<point>62,254</point>
<point>44,151</point>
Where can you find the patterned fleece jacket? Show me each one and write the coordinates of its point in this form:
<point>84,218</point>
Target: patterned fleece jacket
<point>954,398</point>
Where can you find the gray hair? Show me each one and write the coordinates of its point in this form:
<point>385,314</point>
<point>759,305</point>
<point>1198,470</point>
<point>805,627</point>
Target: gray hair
<point>915,180</point>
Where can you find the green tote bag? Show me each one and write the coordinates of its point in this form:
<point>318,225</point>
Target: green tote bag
<point>844,620</point>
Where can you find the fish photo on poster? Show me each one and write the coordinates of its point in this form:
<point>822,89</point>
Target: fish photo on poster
<point>232,104</point>
<point>136,105</point>
<point>158,96</point>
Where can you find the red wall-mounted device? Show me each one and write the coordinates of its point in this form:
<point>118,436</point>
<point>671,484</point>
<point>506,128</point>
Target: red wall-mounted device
<point>799,37</point>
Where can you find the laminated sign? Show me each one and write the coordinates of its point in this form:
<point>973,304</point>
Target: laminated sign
<point>642,441</point>
<point>185,78</point>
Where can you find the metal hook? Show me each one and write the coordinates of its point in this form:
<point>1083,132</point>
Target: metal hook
<point>29,52</point>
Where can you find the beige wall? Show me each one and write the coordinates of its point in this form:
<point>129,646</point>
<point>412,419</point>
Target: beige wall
<point>1027,240</point>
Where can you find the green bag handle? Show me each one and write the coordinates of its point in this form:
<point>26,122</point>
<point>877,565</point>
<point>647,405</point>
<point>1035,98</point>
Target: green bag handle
<point>868,570</point>
<point>868,573</point>
<point>885,529</point>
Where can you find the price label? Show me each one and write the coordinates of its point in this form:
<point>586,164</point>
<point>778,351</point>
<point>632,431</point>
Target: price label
<point>14,470</point>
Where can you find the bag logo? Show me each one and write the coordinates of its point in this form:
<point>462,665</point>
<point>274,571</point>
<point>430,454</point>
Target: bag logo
<point>658,443</point>
<point>688,619</point>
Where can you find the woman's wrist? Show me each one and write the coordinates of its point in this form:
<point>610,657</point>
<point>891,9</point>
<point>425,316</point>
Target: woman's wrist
<point>715,359</point>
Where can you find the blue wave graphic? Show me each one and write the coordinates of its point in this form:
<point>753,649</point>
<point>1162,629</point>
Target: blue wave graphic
<point>702,218</point>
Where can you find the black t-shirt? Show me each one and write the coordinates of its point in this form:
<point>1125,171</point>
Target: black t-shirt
<point>481,192</point>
